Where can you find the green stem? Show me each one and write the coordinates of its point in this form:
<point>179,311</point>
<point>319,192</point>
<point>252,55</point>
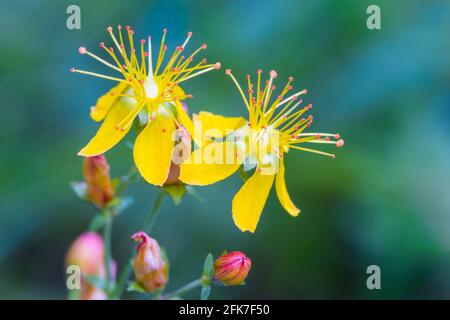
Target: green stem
<point>148,225</point>
<point>190,286</point>
<point>107,230</point>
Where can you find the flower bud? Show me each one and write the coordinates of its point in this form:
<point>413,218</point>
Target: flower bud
<point>87,252</point>
<point>232,268</point>
<point>150,270</point>
<point>96,173</point>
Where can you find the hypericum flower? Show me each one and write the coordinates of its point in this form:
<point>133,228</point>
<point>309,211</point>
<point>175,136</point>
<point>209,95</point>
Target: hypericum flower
<point>87,252</point>
<point>232,268</point>
<point>273,128</point>
<point>99,187</point>
<point>150,269</point>
<point>146,90</point>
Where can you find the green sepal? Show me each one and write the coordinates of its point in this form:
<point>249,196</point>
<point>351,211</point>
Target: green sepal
<point>136,287</point>
<point>176,192</point>
<point>208,268</point>
<point>206,291</point>
<point>193,192</point>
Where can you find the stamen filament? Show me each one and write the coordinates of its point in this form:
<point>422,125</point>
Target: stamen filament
<point>98,75</point>
<point>101,60</point>
<point>314,151</point>
<point>228,72</point>
<point>304,91</point>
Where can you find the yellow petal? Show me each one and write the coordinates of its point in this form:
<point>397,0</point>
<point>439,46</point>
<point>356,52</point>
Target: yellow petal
<point>153,149</point>
<point>183,117</point>
<point>249,202</point>
<point>108,135</point>
<point>282,193</point>
<point>208,165</point>
<point>217,126</point>
<point>105,102</point>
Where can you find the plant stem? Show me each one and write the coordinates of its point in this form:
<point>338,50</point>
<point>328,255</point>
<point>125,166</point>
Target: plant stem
<point>148,225</point>
<point>190,286</point>
<point>149,222</point>
<point>107,230</point>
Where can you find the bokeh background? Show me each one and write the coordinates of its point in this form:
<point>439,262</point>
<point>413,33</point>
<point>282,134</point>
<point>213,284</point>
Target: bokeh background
<point>384,200</point>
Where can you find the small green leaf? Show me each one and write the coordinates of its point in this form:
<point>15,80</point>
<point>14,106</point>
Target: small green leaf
<point>206,290</point>
<point>136,287</point>
<point>95,281</point>
<point>208,267</point>
<point>193,192</point>
<point>80,189</point>
<point>115,182</point>
<point>123,204</point>
<point>176,192</point>
<point>97,222</point>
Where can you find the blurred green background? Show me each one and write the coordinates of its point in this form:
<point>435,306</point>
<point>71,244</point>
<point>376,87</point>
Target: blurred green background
<point>385,200</point>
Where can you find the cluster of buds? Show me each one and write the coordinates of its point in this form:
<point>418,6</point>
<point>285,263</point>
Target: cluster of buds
<point>232,268</point>
<point>88,253</point>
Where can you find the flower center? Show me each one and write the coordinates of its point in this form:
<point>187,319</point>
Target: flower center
<point>150,88</point>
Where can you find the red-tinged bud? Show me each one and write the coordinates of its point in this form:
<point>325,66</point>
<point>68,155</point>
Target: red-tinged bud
<point>150,270</point>
<point>232,268</point>
<point>99,187</point>
<point>87,252</point>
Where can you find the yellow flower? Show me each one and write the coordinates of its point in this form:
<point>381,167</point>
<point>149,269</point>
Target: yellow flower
<point>149,91</point>
<point>273,128</point>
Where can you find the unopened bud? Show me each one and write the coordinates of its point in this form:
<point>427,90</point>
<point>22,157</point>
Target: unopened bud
<point>150,270</point>
<point>232,268</point>
<point>99,187</point>
<point>87,252</point>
